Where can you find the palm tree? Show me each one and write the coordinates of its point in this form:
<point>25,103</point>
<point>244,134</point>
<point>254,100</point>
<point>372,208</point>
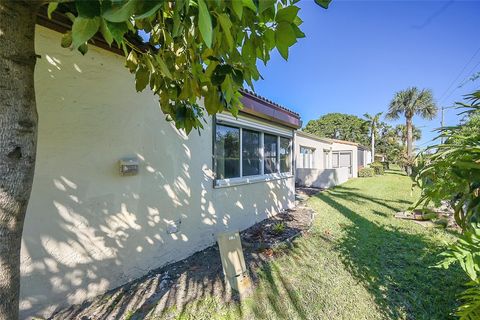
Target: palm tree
<point>401,132</point>
<point>373,122</point>
<point>409,103</point>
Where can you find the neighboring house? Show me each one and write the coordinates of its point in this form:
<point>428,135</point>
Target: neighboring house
<point>344,155</point>
<point>316,162</point>
<point>89,228</point>
<point>364,156</point>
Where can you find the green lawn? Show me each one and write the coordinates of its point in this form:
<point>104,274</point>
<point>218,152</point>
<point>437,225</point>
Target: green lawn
<point>358,262</point>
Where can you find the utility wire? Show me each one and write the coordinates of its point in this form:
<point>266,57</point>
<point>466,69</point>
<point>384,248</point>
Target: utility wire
<point>458,76</point>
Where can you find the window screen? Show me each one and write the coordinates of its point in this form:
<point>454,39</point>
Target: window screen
<point>335,160</point>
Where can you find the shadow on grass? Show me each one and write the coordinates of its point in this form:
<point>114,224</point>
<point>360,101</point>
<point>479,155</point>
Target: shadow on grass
<point>353,195</point>
<point>394,265</point>
<point>276,293</point>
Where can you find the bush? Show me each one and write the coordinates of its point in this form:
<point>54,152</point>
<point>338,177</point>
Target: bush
<point>366,172</point>
<point>377,167</point>
<point>386,165</point>
<point>279,227</point>
<point>451,171</point>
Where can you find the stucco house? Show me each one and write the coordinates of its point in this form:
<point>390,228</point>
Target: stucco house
<point>90,228</point>
<point>364,156</point>
<point>322,162</point>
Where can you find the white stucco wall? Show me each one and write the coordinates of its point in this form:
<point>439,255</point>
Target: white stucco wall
<point>303,140</point>
<point>88,229</point>
<point>323,178</point>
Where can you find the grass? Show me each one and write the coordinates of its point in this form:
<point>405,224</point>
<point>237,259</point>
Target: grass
<point>358,262</point>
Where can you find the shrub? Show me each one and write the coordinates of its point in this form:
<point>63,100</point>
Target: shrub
<point>451,171</point>
<point>279,227</point>
<point>377,167</point>
<point>366,172</point>
<point>386,165</point>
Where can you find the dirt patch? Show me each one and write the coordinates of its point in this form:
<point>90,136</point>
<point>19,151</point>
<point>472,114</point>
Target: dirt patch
<point>442,217</point>
<point>198,276</point>
<point>304,191</point>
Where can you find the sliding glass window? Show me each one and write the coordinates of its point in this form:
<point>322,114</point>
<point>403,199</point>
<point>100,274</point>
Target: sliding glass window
<point>250,153</point>
<point>285,155</point>
<point>270,143</point>
<point>227,152</point>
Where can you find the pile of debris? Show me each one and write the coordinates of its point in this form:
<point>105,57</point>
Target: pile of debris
<point>442,216</point>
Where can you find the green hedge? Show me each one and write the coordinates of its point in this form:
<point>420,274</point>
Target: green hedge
<point>366,172</point>
<point>377,167</point>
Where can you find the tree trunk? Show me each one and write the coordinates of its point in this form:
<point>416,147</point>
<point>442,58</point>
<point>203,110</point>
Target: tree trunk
<point>373,146</point>
<point>18,140</point>
<point>409,145</point>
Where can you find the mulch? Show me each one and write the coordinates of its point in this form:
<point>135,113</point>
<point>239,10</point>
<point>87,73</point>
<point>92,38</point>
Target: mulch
<point>196,277</point>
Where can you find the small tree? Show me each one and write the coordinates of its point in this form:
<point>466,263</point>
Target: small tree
<point>387,142</point>
<point>373,122</point>
<point>411,102</point>
<point>195,49</point>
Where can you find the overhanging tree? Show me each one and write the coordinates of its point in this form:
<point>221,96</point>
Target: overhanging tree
<point>193,49</point>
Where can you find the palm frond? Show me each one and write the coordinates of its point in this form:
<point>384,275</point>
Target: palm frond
<point>470,298</point>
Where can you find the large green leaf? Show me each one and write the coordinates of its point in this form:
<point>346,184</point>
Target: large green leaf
<point>226,27</point>
<point>84,29</point>
<point>120,12</point>
<point>287,14</point>
<point>88,9</point>
<point>264,5</point>
<point>117,30</point>
<point>141,79</point>
<point>237,6</point>
<point>284,38</point>
<point>163,66</point>
<point>249,4</point>
<point>205,23</point>
<point>146,8</point>
<point>323,3</point>
<point>107,35</point>
<point>52,6</point>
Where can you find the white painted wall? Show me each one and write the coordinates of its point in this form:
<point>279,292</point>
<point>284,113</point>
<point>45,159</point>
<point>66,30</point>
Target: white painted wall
<point>88,229</point>
<point>302,139</point>
<point>324,178</point>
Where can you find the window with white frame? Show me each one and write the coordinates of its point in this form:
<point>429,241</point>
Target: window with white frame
<point>244,152</point>
<point>307,157</point>
<point>326,163</point>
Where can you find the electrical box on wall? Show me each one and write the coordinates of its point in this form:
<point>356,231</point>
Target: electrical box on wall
<point>128,167</point>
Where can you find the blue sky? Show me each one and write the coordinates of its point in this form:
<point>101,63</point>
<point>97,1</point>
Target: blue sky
<point>357,54</point>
